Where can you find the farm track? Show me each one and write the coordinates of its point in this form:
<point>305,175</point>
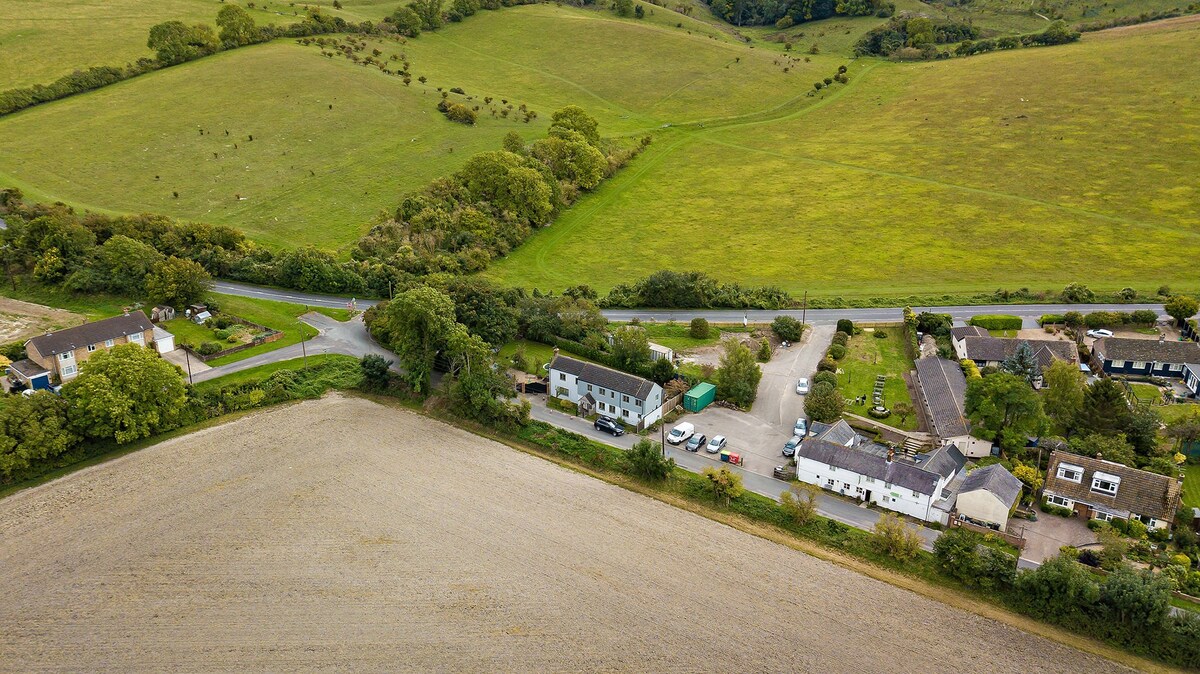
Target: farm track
<point>340,534</point>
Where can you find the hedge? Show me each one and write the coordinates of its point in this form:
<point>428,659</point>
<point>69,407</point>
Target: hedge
<point>996,321</point>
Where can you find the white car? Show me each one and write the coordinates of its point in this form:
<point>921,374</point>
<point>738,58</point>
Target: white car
<point>716,444</point>
<point>801,428</point>
<point>1099,333</point>
<point>802,386</point>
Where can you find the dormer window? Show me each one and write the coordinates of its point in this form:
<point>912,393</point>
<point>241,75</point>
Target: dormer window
<point>1070,473</point>
<point>1105,483</point>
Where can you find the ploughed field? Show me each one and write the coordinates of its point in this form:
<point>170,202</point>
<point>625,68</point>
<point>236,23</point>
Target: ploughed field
<point>343,534</point>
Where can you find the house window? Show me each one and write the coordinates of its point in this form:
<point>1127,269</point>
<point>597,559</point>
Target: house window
<point>833,469</point>
<point>1104,483</point>
<point>1103,517</point>
<point>1175,367</point>
<point>871,480</point>
<point>108,343</point>
<point>625,399</point>
<point>1059,501</point>
<point>68,370</point>
<point>91,348</point>
<point>626,412</point>
<point>1139,365</point>
<point>1118,363</point>
<point>589,388</point>
<point>603,392</point>
<point>562,376</point>
<point>136,337</point>
<point>887,485</point>
<point>1070,473</point>
<point>66,356</point>
<point>829,484</point>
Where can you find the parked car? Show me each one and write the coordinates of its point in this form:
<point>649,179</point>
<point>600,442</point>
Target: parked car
<point>680,433</point>
<point>716,444</point>
<point>696,442</point>
<point>789,449</point>
<point>609,426</point>
<point>1101,332</point>
<point>801,427</point>
<point>802,386</point>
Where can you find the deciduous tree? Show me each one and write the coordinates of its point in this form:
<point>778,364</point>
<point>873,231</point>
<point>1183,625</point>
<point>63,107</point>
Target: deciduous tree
<point>724,484</point>
<point>645,460</point>
<point>177,282</point>
<point>738,374</point>
<point>1062,395</point>
<point>896,538</point>
<point>125,393</point>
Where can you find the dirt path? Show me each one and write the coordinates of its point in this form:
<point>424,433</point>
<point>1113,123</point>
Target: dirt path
<point>339,534</point>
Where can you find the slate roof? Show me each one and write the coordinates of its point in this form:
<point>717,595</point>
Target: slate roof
<point>839,433</point>
<point>945,390</point>
<point>898,473</point>
<point>604,377</point>
<point>945,460</point>
<point>28,369</point>
<point>999,348</point>
<point>91,333</point>
<point>995,480</point>
<point>1140,492</point>
<point>1148,350</point>
<point>968,331</point>
<point>817,428</point>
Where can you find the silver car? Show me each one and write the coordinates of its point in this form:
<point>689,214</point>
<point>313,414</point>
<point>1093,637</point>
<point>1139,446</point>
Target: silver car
<point>716,444</point>
<point>802,386</point>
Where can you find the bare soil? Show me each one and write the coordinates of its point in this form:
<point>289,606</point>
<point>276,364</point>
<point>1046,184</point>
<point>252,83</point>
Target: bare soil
<point>341,534</point>
<point>22,320</point>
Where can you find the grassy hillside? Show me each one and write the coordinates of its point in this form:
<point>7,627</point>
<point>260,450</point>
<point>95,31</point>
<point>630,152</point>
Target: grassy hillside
<point>1032,168</point>
<point>42,40</point>
<point>318,175</point>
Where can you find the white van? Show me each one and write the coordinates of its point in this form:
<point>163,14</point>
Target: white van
<point>681,433</point>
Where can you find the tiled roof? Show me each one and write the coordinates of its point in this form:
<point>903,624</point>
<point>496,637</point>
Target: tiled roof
<point>968,331</point>
<point>999,348</point>
<point>604,377</point>
<point>945,389</point>
<point>996,480</point>
<point>945,460</point>
<point>1140,492</point>
<point>28,369</point>
<point>91,333</point>
<point>899,472</point>
<point>839,433</point>
<point>1148,350</point>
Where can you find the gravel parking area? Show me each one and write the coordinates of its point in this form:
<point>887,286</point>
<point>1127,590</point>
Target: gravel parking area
<point>341,534</point>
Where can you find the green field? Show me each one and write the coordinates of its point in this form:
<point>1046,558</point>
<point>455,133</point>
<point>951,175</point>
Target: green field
<point>318,175</point>
<point>1003,170</point>
<point>1191,486</point>
<point>868,356</point>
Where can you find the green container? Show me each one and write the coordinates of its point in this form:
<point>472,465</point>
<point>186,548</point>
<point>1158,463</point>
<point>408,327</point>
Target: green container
<point>699,397</point>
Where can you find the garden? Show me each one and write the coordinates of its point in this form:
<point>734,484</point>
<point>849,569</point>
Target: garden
<point>870,354</point>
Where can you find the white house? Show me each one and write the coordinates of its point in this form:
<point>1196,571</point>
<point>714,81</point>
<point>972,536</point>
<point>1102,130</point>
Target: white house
<point>943,394</point>
<point>877,475</point>
<point>987,497</point>
<point>610,392</point>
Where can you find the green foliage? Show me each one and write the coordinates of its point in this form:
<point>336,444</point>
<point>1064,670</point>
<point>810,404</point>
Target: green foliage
<point>1022,363</point>
<point>645,460</point>
<point>237,26</point>
<point>623,7</point>
<point>764,351</point>
<point>724,485</point>
<point>692,290</point>
<point>1062,393</point>
<point>799,502</point>
<point>630,348</point>
<point>824,403</point>
<point>1077,293</point>
<point>699,328</point>
<point>825,377</point>
<point>125,393</point>
<point>375,373</point>
<point>575,118</point>
<point>1052,509</point>
<point>827,364</point>
<point>430,12</point>
<point>845,325</point>
<point>457,112</point>
<point>177,282</point>
<point>33,430</point>
<point>417,325</point>
<point>175,42</point>
<point>787,328</point>
<point>407,22</point>
<point>837,351</point>
<point>1181,308</point>
<point>1104,410</point>
<point>1004,407</point>
<point>996,322</point>
<point>842,338</point>
<point>1109,447</point>
<point>896,538</point>
<point>738,375</point>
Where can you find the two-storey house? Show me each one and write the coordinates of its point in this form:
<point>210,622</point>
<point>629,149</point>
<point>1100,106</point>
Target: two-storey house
<point>1104,490</point>
<point>57,356</point>
<point>606,391</point>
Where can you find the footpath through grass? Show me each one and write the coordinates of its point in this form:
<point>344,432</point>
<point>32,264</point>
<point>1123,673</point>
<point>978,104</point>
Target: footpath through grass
<point>868,356</point>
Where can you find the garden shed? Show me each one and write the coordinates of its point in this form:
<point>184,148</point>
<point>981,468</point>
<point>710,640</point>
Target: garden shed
<point>700,396</point>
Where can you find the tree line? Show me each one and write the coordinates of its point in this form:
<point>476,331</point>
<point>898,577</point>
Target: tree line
<point>790,12</point>
<point>916,37</point>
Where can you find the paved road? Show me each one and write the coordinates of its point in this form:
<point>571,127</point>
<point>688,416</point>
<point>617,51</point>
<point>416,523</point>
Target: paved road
<point>828,505</point>
<point>350,338</point>
<point>1029,312</point>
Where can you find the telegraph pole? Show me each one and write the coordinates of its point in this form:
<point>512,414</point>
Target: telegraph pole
<point>804,312</point>
<point>187,355</point>
<point>303,348</point>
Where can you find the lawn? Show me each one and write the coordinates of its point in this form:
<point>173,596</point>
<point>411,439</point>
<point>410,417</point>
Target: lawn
<point>1191,485</point>
<point>677,337</point>
<point>1146,393</point>
<point>264,370</point>
<point>92,305</point>
<point>537,354</point>
<point>896,183</point>
<point>868,356</point>
<point>336,144</point>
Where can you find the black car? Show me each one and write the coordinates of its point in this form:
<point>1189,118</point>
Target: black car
<point>696,442</point>
<point>609,426</point>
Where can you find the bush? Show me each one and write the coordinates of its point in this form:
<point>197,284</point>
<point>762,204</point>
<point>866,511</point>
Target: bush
<point>880,334</point>
<point>827,364</point>
<point>837,351</point>
<point>845,325</point>
<point>1077,293</point>
<point>996,322</point>
<point>826,377</point>
<point>457,112</point>
<point>208,348</point>
<point>841,338</point>
<point>787,328</point>
<point>699,328</point>
<point>1050,319</point>
<point>1051,509</point>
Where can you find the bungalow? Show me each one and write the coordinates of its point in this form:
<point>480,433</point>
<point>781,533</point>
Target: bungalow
<point>59,354</point>
<point>875,474</point>
<point>610,392</point>
<point>1099,489</point>
<point>943,391</point>
<point>988,496</point>
<point>1191,378</point>
<point>973,343</point>
<point>1146,357</point>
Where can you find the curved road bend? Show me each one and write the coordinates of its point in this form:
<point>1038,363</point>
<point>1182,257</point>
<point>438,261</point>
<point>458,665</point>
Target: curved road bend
<point>1028,312</point>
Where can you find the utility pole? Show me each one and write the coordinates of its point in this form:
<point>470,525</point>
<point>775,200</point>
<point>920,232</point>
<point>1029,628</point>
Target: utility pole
<point>303,348</point>
<point>662,434</point>
<point>188,356</point>
<point>804,311</point>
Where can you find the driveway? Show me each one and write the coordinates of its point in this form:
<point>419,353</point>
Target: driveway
<point>1044,537</point>
<point>777,403</point>
<point>349,338</point>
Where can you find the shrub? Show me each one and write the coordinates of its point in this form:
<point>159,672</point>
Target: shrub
<point>841,338</point>
<point>1136,530</point>
<point>895,538</point>
<point>825,377</point>
<point>699,328</point>
<point>837,351</point>
<point>827,364</point>
<point>787,328</point>
<point>1078,293</point>
<point>880,334</point>
<point>1049,319</point>
<point>996,322</point>
<point>1052,509</point>
<point>845,325</point>
<point>208,348</point>
<point>457,112</point>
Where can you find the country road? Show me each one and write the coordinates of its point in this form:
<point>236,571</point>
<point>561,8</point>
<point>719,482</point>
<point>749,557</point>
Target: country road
<point>1028,312</point>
